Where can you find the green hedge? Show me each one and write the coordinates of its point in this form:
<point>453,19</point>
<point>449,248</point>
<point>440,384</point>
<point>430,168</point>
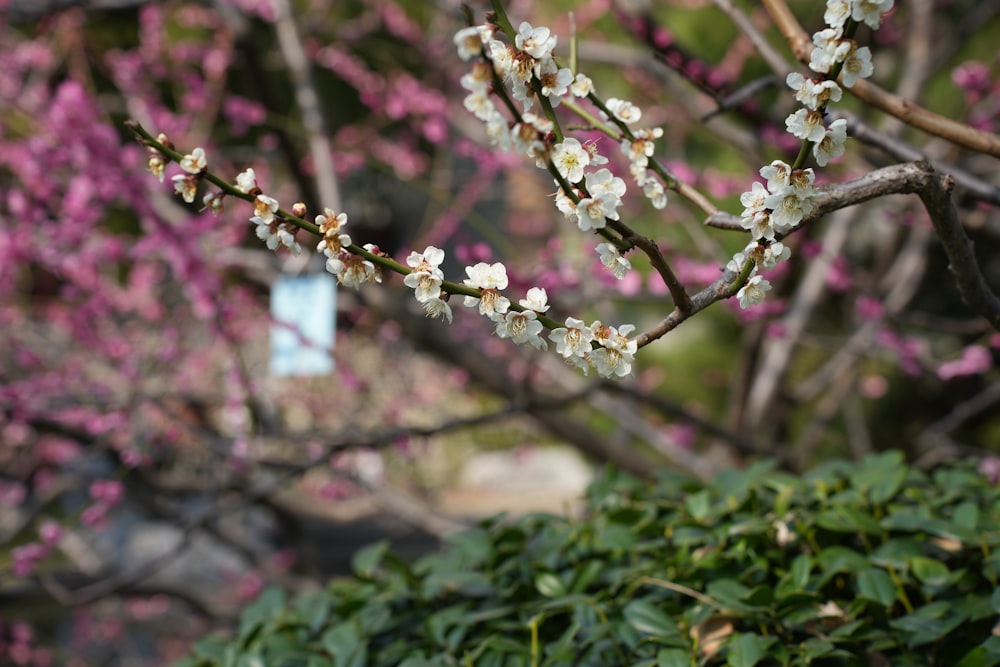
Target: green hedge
<point>873,563</point>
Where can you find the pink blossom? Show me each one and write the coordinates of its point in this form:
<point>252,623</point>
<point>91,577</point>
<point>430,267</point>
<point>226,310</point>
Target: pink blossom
<point>975,359</point>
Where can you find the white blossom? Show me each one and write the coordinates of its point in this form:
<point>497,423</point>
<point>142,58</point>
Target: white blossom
<point>490,279</point>
<point>654,192</point>
<point>837,13</point>
<point>186,186</point>
<point>582,85</point>
<point>536,42</point>
<point>870,11</point>
<point>468,42</point>
<point>832,144</point>
<point>554,80</point>
<point>246,181</point>
<point>265,207</point>
<point>624,110</point>
<point>806,124</point>
<point>828,50</point>
<point>813,93</point>
<point>426,277</point>
<point>777,174</point>
<point>857,65</point>
<point>612,258</point>
<point>573,340</point>
<point>522,327</point>
<point>194,162</point>
<point>569,158</point>
<point>753,291</point>
<point>537,299</point>
<point>437,308</point>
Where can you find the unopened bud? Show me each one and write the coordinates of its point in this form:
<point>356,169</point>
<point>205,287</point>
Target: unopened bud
<point>299,209</point>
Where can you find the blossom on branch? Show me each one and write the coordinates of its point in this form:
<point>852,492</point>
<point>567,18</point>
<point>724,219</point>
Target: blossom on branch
<point>573,340</point>
<point>490,279</point>
<point>194,162</point>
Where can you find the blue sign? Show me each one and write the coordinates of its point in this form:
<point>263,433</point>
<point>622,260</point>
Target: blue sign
<point>303,327</point>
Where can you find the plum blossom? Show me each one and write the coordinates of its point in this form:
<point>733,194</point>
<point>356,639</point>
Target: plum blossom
<point>330,225</point>
<point>156,165</point>
<point>354,270</point>
<point>186,186</point>
<point>573,340</point>
<point>246,181</point>
<point>806,124</point>
<point>615,357</point>
<point>655,193</point>
<point>490,279</point>
<point>582,85</point>
<point>426,277</point>
<point>194,162</point>
<point>555,80</point>
<point>857,65</point>
<point>613,260</point>
<point>537,299</point>
<point>828,50</point>
<point>522,327</point>
<point>753,291</point>
<point>436,308</point>
<point>570,158</point>
<point>870,11</point>
<point>624,110</point>
<point>265,207</point>
<point>833,143</point>
<point>468,42</point>
<point>837,13</point>
<point>813,93</point>
<point>536,42</point>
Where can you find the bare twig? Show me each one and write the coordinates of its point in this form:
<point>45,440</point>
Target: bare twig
<point>308,102</point>
<point>962,261</point>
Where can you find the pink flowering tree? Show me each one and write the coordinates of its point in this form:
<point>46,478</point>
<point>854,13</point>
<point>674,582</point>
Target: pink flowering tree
<point>543,207</point>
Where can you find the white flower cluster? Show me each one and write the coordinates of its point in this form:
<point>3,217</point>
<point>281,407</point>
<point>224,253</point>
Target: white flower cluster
<point>596,195</point>
<point>613,357</point>
<point>790,195</point>
<point>351,269</point>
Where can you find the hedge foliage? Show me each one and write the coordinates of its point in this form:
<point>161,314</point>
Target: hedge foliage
<point>870,563</point>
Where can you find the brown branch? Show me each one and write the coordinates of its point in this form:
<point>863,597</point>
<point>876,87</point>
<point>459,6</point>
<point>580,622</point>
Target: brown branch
<point>907,111</point>
<point>908,178</point>
<point>962,260</point>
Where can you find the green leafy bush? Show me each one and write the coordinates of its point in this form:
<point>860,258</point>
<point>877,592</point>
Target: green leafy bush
<point>873,563</point>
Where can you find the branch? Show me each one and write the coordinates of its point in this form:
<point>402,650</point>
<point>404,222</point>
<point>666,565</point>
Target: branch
<point>907,111</point>
<point>962,260</point>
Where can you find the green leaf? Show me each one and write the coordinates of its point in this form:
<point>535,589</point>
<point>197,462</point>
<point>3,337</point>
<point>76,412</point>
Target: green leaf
<point>841,559</point>
<point>747,649</point>
<point>995,600</point>
<point>930,571</point>
<point>897,553</point>
<point>549,585</point>
<point>880,476</point>
<point>843,519</point>
<point>979,657</point>
<point>345,644</point>
<point>649,619</point>
<point>674,657</point>
<point>699,505</point>
<point>366,559</point>
<point>615,536</point>
<point>815,647</point>
<point>966,515</point>
<point>927,624</point>
<point>799,571</point>
<point>877,585</point>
